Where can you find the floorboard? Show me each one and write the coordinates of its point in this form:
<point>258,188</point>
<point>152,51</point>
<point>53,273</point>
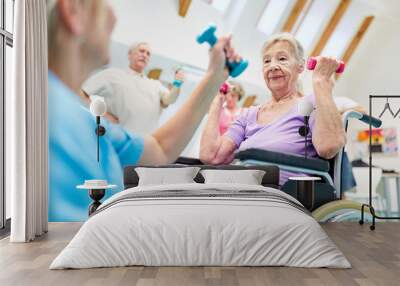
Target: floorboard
<point>374,255</point>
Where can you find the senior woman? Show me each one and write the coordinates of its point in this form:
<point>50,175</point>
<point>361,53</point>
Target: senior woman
<point>230,111</point>
<point>275,124</point>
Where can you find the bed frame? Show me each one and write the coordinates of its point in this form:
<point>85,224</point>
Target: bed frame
<point>270,179</point>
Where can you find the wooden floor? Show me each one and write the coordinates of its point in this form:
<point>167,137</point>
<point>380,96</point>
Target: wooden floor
<point>374,255</point>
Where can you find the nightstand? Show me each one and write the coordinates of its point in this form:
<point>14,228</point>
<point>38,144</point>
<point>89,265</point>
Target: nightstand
<point>97,190</point>
<point>305,190</point>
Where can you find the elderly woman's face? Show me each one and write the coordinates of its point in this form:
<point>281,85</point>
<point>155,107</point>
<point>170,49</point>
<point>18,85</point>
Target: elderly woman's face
<point>232,99</point>
<point>280,67</point>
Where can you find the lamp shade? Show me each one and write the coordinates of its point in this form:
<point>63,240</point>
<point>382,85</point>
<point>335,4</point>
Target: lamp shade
<point>305,107</point>
<point>98,107</point>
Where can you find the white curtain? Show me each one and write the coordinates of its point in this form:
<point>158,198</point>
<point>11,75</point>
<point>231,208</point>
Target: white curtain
<point>26,124</point>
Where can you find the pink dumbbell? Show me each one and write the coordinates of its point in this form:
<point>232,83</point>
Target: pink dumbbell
<point>224,89</point>
<point>312,62</point>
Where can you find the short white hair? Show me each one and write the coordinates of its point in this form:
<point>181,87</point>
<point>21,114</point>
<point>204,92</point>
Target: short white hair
<point>285,37</point>
<point>136,45</point>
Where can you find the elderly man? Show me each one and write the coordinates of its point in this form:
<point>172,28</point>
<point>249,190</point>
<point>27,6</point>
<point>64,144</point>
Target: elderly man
<point>132,99</point>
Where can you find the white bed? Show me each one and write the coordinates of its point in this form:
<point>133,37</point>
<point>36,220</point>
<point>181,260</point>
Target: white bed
<point>222,225</point>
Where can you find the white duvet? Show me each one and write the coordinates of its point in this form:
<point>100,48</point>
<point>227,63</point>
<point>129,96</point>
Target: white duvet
<point>188,231</point>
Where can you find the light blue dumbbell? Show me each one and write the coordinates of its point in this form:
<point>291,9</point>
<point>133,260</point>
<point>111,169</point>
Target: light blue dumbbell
<point>177,83</point>
<point>235,68</point>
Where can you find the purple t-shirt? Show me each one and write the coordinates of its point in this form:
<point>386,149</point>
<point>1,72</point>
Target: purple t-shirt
<point>281,135</point>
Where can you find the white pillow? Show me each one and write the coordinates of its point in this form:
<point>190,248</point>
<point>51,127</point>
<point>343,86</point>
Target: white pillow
<point>248,177</point>
<point>164,176</point>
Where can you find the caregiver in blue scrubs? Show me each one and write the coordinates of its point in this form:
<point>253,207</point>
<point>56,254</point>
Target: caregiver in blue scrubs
<point>78,41</point>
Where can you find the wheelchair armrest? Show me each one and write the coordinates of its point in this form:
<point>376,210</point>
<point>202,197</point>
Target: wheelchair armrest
<point>188,161</point>
<point>283,159</point>
<point>375,122</point>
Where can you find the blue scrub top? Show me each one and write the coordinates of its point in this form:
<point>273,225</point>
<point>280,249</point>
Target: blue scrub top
<point>73,153</point>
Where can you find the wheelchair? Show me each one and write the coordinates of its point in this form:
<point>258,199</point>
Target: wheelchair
<point>330,205</point>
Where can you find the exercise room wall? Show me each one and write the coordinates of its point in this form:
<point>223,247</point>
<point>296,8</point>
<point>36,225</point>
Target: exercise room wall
<point>374,70</point>
<point>175,40</point>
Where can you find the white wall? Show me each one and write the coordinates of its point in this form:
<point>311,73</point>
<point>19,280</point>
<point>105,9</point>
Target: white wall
<point>374,69</point>
<point>174,37</point>
<point>158,23</point>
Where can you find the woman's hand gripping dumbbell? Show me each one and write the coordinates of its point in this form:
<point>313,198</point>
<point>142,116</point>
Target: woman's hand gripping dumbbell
<point>235,68</point>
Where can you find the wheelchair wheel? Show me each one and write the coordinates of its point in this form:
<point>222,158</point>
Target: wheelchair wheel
<point>341,210</point>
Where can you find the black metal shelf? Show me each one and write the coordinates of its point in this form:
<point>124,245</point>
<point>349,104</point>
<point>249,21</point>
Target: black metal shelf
<point>369,205</point>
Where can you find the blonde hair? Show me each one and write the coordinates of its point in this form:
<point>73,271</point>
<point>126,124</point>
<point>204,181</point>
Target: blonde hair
<point>237,87</point>
<point>285,37</point>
